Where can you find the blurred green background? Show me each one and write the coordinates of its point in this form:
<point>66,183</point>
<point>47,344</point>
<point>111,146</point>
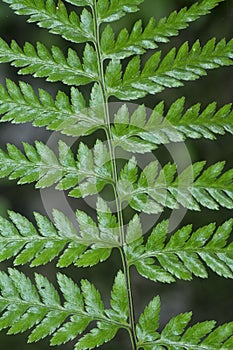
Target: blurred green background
<point>209,299</point>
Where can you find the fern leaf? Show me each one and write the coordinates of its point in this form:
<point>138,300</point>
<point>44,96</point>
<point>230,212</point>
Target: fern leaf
<point>20,239</point>
<point>177,334</point>
<point>149,321</point>
<point>27,306</point>
<point>119,300</point>
<point>92,298</point>
<point>195,123</point>
<point>134,230</point>
<point>176,67</point>
<point>56,18</point>
<point>97,336</point>
<point>104,332</point>
<point>137,133</point>
<point>185,254</point>
<point>69,311</point>
<point>153,189</point>
<point>68,115</point>
<point>113,10</point>
<point>170,26</point>
<point>141,39</point>
<point>41,62</point>
<point>40,165</point>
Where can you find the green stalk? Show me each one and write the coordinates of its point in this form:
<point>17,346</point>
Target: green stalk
<point>132,330</point>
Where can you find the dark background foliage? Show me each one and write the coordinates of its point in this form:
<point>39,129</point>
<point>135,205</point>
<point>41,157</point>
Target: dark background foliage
<point>208,299</point>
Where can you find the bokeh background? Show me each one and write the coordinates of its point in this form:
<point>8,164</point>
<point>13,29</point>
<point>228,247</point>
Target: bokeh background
<point>209,299</point>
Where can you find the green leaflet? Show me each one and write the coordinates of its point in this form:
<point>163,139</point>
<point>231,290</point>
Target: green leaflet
<point>141,133</point>
<point>97,336</point>
<point>49,15</point>
<point>167,27</point>
<point>119,302</point>
<point>25,306</point>
<point>177,334</point>
<point>91,172</point>
<point>185,254</point>
<point>68,115</point>
<point>194,123</point>
<point>140,38</point>
<point>177,66</point>
<point>41,62</point>
<point>149,321</point>
<point>90,244</point>
<point>156,189</point>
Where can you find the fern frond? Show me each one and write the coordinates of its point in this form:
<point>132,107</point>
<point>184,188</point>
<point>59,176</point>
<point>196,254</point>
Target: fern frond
<point>177,334</point>
<point>69,311</point>
<point>141,39</point>
<point>185,254</point>
<point>194,122</point>
<point>90,245</point>
<point>48,15</point>
<point>68,115</point>
<point>91,172</point>
<point>137,133</point>
<point>112,10</point>
<point>25,306</point>
<point>153,189</point>
<point>170,26</point>
<point>176,67</point>
<point>40,62</point>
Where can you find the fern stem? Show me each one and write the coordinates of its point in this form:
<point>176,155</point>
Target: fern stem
<point>132,330</point>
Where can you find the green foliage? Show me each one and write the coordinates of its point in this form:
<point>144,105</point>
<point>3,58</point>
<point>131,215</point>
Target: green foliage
<point>67,311</point>
<point>169,72</point>
<point>20,239</point>
<point>185,254</point>
<point>26,306</point>
<point>53,64</point>
<point>136,131</point>
<point>176,335</point>
<point>40,164</point>
<point>21,105</point>
<point>140,39</point>
<point>155,189</point>
<point>48,15</point>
